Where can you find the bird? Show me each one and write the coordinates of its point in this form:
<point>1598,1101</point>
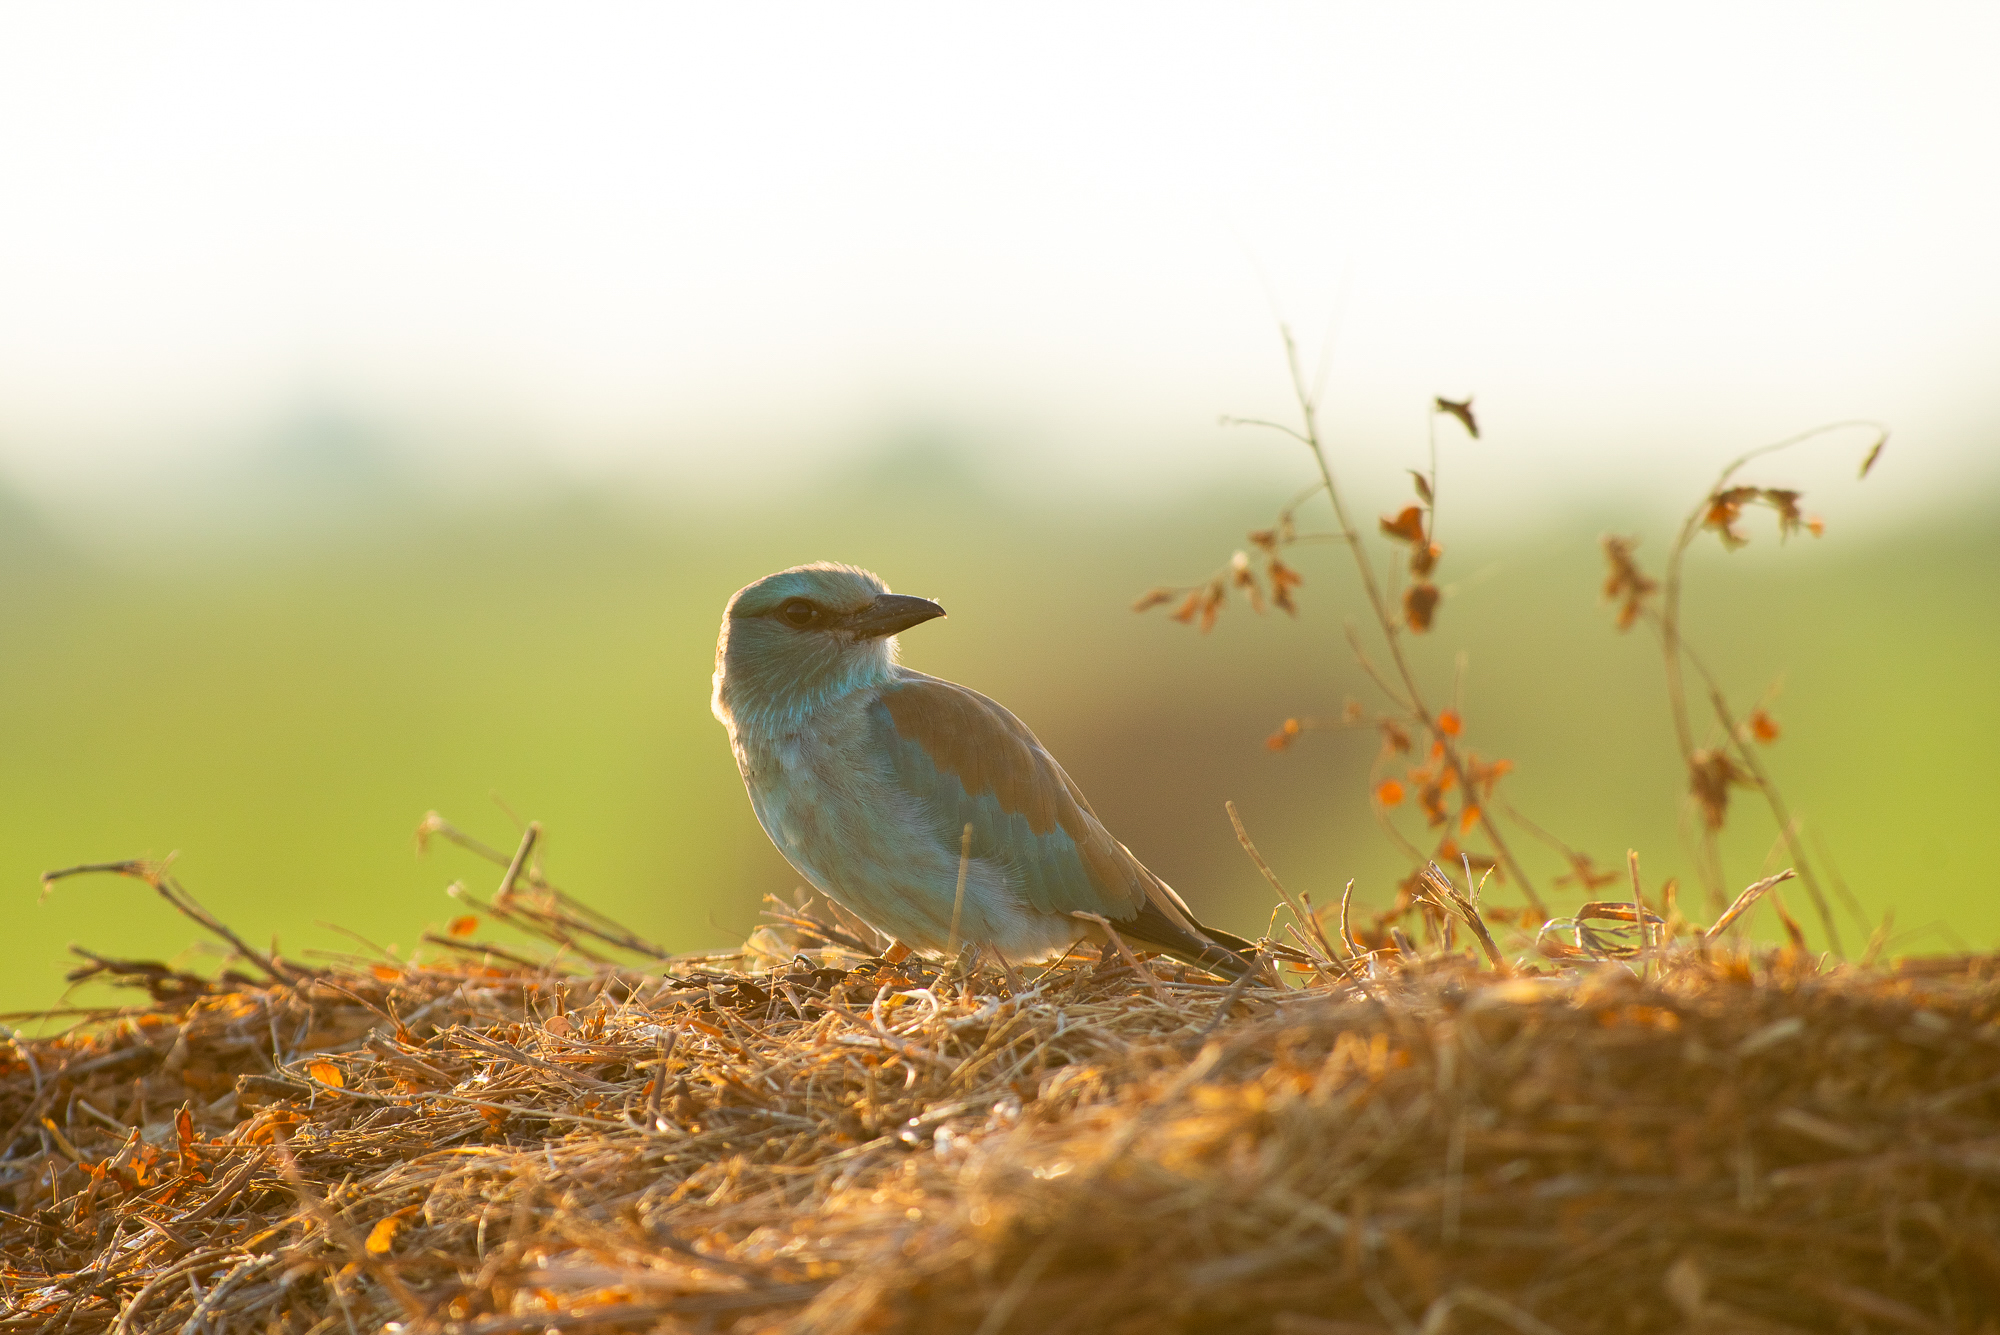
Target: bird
<point>888,789</point>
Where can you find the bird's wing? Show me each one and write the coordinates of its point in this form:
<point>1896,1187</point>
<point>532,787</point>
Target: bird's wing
<point>969,762</point>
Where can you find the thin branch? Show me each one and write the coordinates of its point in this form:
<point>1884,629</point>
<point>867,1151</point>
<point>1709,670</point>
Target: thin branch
<point>1308,411</point>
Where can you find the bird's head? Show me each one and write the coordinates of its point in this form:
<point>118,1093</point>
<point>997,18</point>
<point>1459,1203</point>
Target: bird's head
<point>796,639</point>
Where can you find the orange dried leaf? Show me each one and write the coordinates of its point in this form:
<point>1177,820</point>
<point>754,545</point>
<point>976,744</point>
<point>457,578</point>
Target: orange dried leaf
<point>1724,509</point>
<point>1406,526</point>
<point>1152,598</point>
<point>1420,605</point>
<point>463,925</point>
<point>1394,738</point>
<point>1626,585</point>
<point>328,1074</point>
<point>1786,503</point>
<point>1468,818</point>
<point>1212,599</point>
<point>382,1237</point>
<point>1283,580</point>
<point>1185,613</point>
<point>387,973</point>
<point>1710,775</point>
<point>1389,793</point>
<point>1450,724</point>
<point>1763,727</point>
<point>1424,557</point>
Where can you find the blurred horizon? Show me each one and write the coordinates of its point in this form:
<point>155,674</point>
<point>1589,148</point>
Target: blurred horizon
<point>280,705</point>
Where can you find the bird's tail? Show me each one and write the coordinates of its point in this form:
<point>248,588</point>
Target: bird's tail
<point>1208,948</point>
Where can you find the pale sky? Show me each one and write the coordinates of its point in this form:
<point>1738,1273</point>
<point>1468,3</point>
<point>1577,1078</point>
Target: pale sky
<point>631,234</point>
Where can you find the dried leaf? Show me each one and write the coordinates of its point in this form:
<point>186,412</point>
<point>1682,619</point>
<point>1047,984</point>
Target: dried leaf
<point>387,973</point>
<point>1462,411</point>
<point>1394,738</point>
<point>1152,598</point>
<point>1423,487</point>
<point>1407,525</point>
<point>1450,724</point>
<point>1626,585</point>
<point>1483,775</point>
<point>1710,775</point>
<point>1424,558</point>
<point>327,1074</point>
<point>1724,509</point>
<point>1468,818</point>
<point>1762,726</point>
<point>1185,613</point>
<point>463,925</point>
<point>1420,602</point>
<point>1389,793</point>
<point>1243,577</point>
<point>1786,503</point>
<point>1213,596</point>
<point>382,1237</point>
<point>1283,580</point>
<point>1284,736</point>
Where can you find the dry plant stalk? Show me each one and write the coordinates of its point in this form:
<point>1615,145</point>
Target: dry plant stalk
<point>1714,767</point>
<point>1448,765</point>
<point>797,1137</point>
<point>1425,743</point>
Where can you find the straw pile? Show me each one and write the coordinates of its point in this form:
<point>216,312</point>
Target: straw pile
<point>803,1138</point>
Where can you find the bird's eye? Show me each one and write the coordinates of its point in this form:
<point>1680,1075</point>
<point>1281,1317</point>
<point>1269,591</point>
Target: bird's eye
<point>799,612</point>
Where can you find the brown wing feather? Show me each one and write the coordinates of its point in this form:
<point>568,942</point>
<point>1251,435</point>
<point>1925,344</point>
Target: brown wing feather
<point>988,750</point>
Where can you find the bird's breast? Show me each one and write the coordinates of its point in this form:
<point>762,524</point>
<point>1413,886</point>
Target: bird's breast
<point>820,791</point>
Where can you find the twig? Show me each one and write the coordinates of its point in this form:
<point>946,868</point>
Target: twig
<point>1445,896</point>
<point>1672,584</point>
<point>1243,838</point>
<point>1745,901</point>
<point>1124,950</point>
<point>1639,910</point>
<point>1413,694</point>
<point>526,846</point>
<point>171,890</point>
<point>1787,828</point>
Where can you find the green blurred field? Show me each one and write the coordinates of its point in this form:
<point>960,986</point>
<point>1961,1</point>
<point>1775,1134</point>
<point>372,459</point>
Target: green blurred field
<point>283,711</point>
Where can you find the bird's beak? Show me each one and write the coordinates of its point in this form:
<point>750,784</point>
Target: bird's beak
<point>890,613</point>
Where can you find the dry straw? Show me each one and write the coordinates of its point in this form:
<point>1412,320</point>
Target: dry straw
<point>804,1138</point>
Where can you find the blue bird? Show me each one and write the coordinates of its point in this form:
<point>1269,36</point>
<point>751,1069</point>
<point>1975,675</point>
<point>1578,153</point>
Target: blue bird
<point>867,774</point>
